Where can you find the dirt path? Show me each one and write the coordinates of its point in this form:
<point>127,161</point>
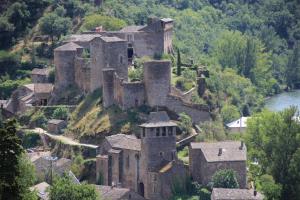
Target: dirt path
<point>61,138</point>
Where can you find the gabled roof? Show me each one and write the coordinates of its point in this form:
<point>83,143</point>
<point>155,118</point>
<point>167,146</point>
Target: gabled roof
<point>81,37</point>
<point>122,141</point>
<point>241,122</point>
<point>158,119</point>
<point>112,39</point>
<point>112,193</point>
<point>235,194</point>
<point>38,71</point>
<point>71,46</point>
<point>230,151</point>
<point>131,28</point>
<point>40,87</point>
<point>36,155</point>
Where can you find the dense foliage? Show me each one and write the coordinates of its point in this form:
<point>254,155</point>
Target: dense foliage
<point>273,141</point>
<point>226,178</point>
<point>65,188</point>
<point>16,172</point>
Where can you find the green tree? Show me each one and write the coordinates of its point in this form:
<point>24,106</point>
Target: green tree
<point>185,123</point>
<point>229,113</point>
<point>293,67</point>
<point>226,178</point>
<point>61,113</point>
<point>65,188</point>
<point>273,140</point>
<point>54,25</point>
<point>270,189</point>
<point>6,34</point>
<point>108,23</point>
<point>16,172</point>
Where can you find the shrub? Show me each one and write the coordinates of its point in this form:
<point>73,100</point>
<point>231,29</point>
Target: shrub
<point>39,119</point>
<point>61,113</point>
<point>107,22</point>
<point>226,178</point>
<point>185,123</point>
<point>30,140</point>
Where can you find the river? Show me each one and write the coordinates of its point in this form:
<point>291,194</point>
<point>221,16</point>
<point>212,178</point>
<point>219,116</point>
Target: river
<point>284,100</point>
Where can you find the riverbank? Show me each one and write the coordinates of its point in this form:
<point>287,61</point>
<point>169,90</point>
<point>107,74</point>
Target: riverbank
<point>283,100</point>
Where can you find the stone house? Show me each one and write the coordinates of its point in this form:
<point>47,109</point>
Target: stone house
<point>33,94</point>
<point>207,158</point>
<point>115,193</point>
<point>40,75</point>
<point>148,166</point>
<point>56,126</point>
<point>235,194</point>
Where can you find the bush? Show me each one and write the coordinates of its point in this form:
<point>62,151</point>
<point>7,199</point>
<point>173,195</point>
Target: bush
<point>108,23</point>
<point>229,113</point>
<point>185,123</point>
<point>9,63</point>
<point>226,178</point>
<point>39,119</point>
<point>30,140</point>
<point>61,113</point>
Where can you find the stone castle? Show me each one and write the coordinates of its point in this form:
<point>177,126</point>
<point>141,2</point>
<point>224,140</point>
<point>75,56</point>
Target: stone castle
<point>94,60</point>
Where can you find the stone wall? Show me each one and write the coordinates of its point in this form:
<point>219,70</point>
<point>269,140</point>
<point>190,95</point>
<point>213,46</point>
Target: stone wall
<point>105,54</point>
<point>39,78</point>
<point>64,62</point>
<point>198,113</point>
<point>157,79</point>
<point>82,74</point>
<point>128,94</point>
<point>108,87</point>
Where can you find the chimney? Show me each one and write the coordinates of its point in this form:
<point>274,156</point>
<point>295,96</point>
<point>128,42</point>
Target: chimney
<point>242,145</point>
<point>220,152</point>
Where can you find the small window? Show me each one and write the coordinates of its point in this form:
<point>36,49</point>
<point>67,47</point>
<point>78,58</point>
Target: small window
<point>170,131</point>
<point>161,154</point>
<point>151,129</point>
<point>129,196</point>
<point>121,59</point>
<point>164,131</point>
<point>127,161</point>
<point>157,132</point>
<point>144,134</point>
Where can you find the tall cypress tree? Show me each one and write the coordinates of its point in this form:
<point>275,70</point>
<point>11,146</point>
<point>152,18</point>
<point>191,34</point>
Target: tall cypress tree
<point>10,150</point>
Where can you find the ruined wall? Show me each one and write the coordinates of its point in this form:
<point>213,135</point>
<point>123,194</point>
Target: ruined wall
<point>39,78</point>
<point>128,94</point>
<point>82,74</point>
<point>108,87</point>
<point>198,113</point>
<point>143,43</point>
<point>134,94</point>
<point>157,79</point>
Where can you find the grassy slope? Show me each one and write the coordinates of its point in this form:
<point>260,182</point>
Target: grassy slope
<point>90,122</point>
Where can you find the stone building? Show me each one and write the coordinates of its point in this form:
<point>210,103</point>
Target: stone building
<point>34,94</point>
<point>235,194</point>
<point>56,126</point>
<point>40,75</point>
<point>207,158</point>
<point>238,126</point>
<point>148,165</point>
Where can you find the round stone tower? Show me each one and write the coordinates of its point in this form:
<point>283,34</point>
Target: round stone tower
<point>64,61</point>
<point>157,79</point>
